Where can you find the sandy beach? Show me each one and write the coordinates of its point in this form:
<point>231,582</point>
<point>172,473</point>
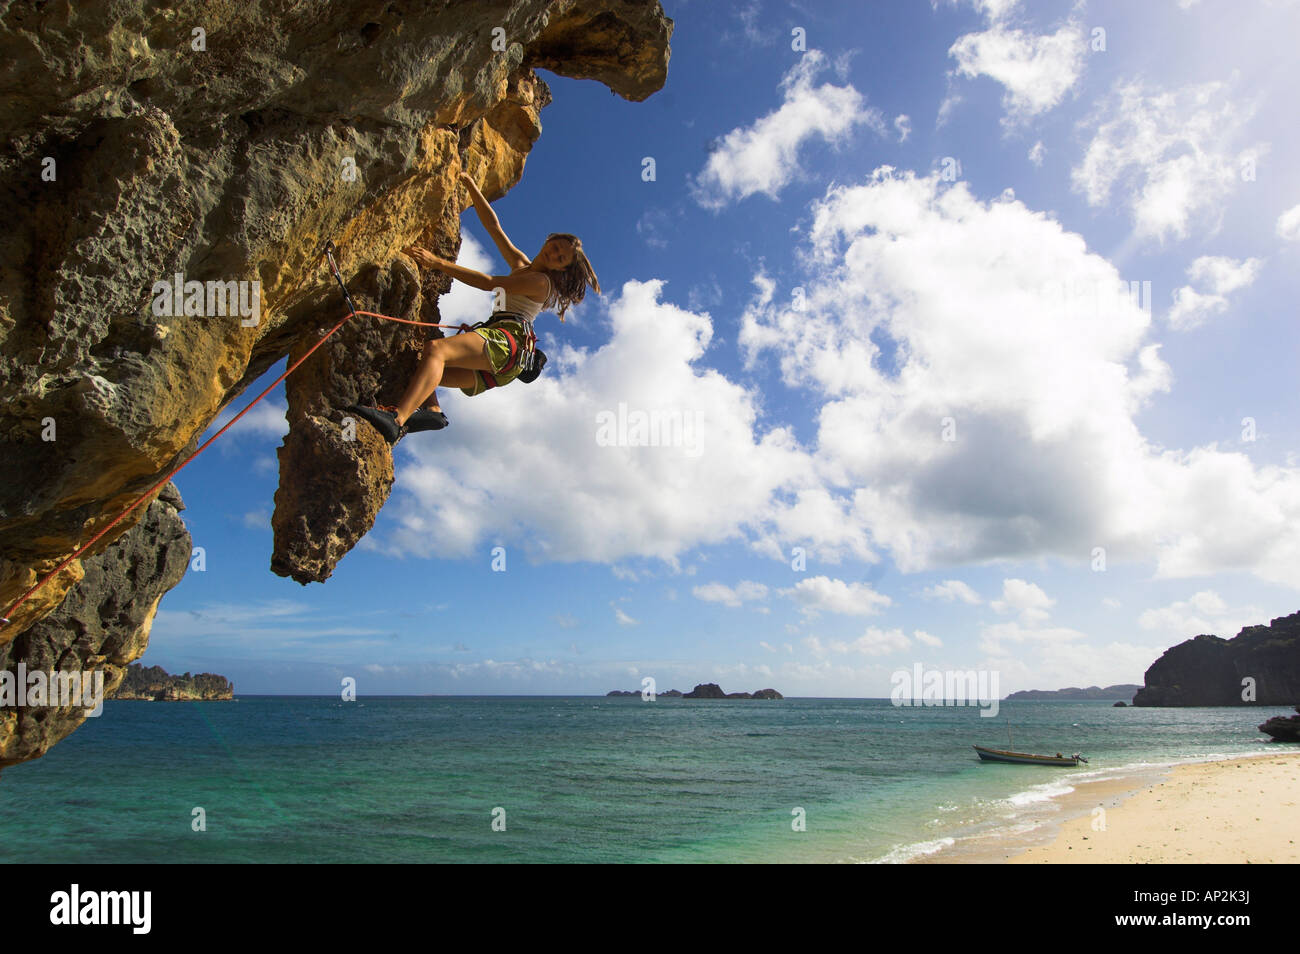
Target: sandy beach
<point>1235,812</point>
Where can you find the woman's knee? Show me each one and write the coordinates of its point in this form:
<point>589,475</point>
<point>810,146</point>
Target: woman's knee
<point>436,346</point>
<point>439,350</point>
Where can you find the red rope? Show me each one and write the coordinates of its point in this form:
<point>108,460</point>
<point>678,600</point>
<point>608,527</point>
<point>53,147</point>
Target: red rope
<point>53,573</point>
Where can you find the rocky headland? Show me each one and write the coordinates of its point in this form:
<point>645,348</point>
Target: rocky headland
<point>156,685</point>
<point>1260,661</point>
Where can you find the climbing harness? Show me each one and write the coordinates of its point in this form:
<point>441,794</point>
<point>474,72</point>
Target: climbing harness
<point>327,253</point>
<point>523,354</point>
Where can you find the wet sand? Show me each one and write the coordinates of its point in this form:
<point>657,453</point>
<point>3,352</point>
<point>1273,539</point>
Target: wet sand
<point>1236,811</point>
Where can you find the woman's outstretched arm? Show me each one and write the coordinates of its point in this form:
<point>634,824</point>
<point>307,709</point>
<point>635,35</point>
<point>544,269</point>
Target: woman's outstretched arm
<point>532,284</point>
<point>514,258</point>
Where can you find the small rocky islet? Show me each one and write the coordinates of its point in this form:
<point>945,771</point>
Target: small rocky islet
<point>705,690</point>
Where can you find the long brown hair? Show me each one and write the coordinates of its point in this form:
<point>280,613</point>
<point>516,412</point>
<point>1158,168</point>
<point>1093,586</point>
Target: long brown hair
<point>569,285</point>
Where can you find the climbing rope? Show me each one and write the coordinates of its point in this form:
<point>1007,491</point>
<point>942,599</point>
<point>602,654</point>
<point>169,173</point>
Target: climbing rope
<point>327,253</point>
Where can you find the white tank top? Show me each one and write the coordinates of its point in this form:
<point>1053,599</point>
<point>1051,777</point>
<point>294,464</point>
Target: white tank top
<point>523,305</point>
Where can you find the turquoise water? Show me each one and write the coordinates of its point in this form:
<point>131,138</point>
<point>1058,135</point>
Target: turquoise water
<point>580,779</point>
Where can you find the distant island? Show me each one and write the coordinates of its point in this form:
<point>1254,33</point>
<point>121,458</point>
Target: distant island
<point>705,690</point>
<point>154,684</point>
<point>1120,692</point>
<point>1258,666</point>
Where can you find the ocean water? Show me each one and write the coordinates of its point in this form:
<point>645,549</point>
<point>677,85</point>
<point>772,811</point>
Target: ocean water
<point>571,779</point>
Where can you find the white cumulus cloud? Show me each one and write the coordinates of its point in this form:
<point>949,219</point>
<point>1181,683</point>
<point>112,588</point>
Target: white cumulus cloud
<point>1205,611</point>
<point>926,639</point>
<point>950,590</point>
<point>764,157</point>
<point>1217,277</point>
<point>573,497</point>
<point>1002,421</point>
<point>1174,155</point>
<point>1288,224</point>
<point>823,594</point>
<point>1025,598</point>
<point>267,418</point>
<point>742,592</point>
<point>873,642</point>
<point>1036,70</point>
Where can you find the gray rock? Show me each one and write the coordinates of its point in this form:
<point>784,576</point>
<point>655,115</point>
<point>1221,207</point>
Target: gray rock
<point>1209,671</point>
<point>102,624</point>
<point>1283,728</point>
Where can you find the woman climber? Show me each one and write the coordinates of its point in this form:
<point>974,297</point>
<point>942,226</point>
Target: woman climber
<point>504,347</point>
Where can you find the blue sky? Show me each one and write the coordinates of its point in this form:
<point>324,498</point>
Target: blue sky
<point>872,285</point>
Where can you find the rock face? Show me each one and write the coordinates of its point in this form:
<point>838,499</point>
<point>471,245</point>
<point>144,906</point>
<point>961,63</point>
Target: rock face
<point>336,471</point>
<point>155,684</point>
<point>225,143</point>
<point>1209,671</point>
<point>101,626</point>
<point>1283,728</point>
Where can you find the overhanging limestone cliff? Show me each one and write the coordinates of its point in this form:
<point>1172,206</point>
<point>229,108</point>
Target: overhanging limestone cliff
<point>225,143</point>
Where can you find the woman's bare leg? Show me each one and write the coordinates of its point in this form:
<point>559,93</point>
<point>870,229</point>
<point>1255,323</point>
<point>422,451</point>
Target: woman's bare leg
<point>443,355</point>
<point>451,378</point>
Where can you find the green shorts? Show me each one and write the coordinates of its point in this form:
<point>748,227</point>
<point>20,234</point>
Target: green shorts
<point>498,352</point>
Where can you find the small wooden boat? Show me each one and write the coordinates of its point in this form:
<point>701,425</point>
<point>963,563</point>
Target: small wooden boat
<point>1025,758</point>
